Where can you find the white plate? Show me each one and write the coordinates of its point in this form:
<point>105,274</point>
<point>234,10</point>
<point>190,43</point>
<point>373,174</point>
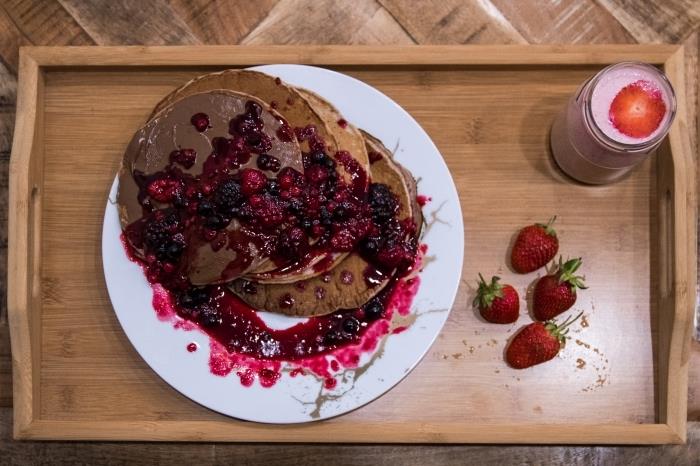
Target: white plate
<point>303,398</point>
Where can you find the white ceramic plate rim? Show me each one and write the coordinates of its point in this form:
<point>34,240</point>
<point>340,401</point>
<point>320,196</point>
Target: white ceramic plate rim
<point>303,398</point>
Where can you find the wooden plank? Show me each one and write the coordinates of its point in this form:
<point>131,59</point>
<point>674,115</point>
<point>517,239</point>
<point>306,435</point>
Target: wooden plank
<point>135,454</point>
<point>130,22</point>
<point>566,21</point>
<point>24,234</point>
<point>221,21</point>
<point>5,365</point>
<point>327,22</point>
<point>197,431</point>
<point>11,39</point>
<point>677,232</point>
<point>660,21</point>
<point>46,22</point>
<point>453,22</point>
<point>445,55</point>
<point>694,382</point>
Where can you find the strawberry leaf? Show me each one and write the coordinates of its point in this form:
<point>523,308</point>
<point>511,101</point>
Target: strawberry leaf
<point>487,292</point>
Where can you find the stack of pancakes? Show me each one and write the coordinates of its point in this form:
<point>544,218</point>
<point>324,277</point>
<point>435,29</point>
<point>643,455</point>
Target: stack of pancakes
<point>327,280</point>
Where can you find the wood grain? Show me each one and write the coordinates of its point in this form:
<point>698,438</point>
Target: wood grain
<point>46,22</point>
<point>130,22</point>
<point>11,39</point>
<point>327,22</point>
<point>222,21</point>
<point>453,22</point>
<point>82,352</point>
<point>658,21</point>
<point>567,21</point>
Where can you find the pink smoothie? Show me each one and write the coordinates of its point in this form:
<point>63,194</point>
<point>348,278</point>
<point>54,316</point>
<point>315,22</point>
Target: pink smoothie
<point>585,142</point>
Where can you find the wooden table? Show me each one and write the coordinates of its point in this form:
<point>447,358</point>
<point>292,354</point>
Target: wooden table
<point>98,22</point>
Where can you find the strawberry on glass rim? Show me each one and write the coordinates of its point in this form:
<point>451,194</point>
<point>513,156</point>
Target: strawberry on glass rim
<point>638,109</point>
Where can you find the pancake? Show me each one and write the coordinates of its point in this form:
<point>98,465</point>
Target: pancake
<point>172,129</point>
<point>300,108</point>
<point>344,286</point>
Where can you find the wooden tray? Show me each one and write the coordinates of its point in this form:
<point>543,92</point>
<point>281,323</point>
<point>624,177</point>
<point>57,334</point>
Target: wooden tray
<point>621,379</point>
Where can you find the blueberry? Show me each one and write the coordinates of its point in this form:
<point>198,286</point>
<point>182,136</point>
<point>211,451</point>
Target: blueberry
<point>193,297</point>
<point>215,222</point>
<point>318,157</point>
<point>209,317</point>
<point>174,251</point>
<point>179,200</point>
<point>351,325</point>
<point>371,245</point>
<point>325,216</point>
<point>205,209</point>
<point>268,162</point>
<point>374,309</point>
<point>253,108</point>
<point>273,187</point>
<point>340,212</point>
<point>296,206</point>
<point>333,337</point>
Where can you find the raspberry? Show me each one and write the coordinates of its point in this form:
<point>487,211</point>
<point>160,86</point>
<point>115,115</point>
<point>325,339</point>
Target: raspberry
<point>185,157</point>
<point>200,121</point>
<point>292,243</point>
<point>165,189</point>
<point>252,181</point>
<point>316,174</point>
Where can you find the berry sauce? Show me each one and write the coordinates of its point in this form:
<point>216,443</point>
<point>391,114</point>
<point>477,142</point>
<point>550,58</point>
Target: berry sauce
<point>293,219</point>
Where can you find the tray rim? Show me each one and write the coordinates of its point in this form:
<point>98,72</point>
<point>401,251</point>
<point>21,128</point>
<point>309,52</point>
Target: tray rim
<point>676,191</point>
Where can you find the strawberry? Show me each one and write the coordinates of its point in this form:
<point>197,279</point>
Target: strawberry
<point>535,246</point>
<point>497,303</point>
<point>637,110</point>
<point>537,343</point>
<point>556,292</point>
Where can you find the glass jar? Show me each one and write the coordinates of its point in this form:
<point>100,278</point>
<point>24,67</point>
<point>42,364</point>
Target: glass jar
<point>585,143</point>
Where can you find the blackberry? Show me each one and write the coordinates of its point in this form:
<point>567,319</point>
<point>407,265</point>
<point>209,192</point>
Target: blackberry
<point>227,197</point>
<point>160,230</point>
<point>382,201</point>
